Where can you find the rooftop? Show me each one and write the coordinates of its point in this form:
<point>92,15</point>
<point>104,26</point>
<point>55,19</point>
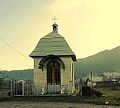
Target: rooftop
<point>53,44</point>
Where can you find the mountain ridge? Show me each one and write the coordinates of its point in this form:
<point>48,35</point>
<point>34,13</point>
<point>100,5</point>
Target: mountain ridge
<point>104,61</point>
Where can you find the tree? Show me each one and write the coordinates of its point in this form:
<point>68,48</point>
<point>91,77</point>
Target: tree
<point>2,78</point>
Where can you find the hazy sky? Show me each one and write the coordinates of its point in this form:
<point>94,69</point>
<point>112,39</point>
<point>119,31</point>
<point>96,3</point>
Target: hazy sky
<point>89,26</point>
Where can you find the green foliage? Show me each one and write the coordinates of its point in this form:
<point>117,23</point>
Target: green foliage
<point>2,77</point>
<point>87,91</point>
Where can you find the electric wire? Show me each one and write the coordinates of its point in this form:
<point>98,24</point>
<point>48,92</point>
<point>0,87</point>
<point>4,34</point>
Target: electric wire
<point>14,48</point>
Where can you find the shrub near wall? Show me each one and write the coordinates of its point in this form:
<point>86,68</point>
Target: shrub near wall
<point>87,91</point>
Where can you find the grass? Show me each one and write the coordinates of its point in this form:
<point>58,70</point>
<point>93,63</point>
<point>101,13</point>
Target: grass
<point>4,93</point>
<point>112,96</point>
<point>71,99</point>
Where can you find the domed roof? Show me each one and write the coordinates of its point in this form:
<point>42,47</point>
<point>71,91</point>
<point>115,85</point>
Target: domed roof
<point>52,44</point>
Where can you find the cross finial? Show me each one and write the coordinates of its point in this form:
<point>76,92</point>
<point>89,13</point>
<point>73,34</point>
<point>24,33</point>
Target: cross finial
<point>54,19</point>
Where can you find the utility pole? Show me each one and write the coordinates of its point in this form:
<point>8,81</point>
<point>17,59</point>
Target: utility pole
<point>91,79</point>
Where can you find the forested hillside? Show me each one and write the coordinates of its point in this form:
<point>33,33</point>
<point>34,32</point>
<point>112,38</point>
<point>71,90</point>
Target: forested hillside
<point>105,61</point>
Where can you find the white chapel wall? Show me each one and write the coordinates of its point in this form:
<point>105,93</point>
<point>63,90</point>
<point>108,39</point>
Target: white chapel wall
<point>67,77</point>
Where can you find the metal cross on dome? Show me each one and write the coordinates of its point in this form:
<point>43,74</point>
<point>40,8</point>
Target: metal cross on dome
<point>54,19</point>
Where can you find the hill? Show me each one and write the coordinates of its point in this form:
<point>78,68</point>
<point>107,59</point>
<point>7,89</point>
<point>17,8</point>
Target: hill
<point>17,74</point>
<point>105,61</point>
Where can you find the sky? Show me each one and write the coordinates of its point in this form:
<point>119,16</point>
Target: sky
<point>89,26</point>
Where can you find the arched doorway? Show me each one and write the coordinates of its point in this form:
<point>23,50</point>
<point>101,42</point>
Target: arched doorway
<point>53,77</point>
<point>53,73</point>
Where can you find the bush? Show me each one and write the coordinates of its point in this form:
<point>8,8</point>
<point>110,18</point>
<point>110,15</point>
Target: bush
<point>97,93</point>
<point>87,91</point>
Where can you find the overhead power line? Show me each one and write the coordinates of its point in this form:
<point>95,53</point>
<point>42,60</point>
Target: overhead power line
<point>13,48</point>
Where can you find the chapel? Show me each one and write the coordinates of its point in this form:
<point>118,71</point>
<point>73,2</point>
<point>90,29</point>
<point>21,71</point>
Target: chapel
<point>53,64</point>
